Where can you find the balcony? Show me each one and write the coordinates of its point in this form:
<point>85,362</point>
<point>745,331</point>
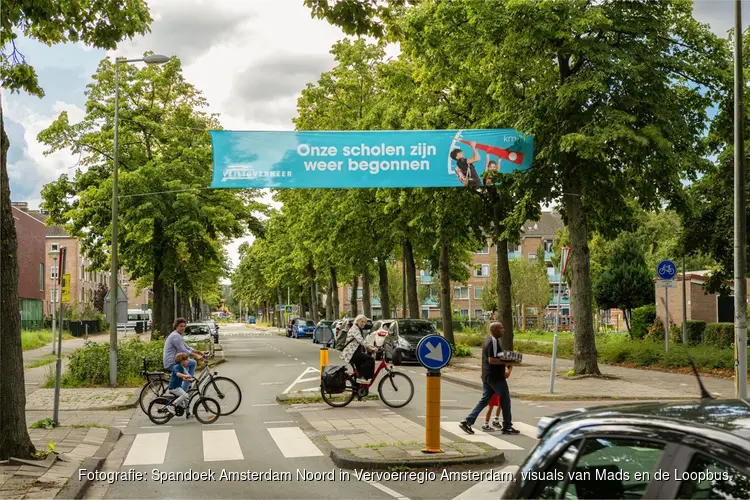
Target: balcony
<point>425,279</point>
<point>548,256</point>
<point>514,255</point>
<point>554,278</point>
<point>564,300</point>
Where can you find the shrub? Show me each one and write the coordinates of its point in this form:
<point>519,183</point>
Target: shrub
<point>656,332</point>
<point>469,339</point>
<point>641,320</point>
<point>719,334</point>
<point>461,350</point>
<point>89,365</point>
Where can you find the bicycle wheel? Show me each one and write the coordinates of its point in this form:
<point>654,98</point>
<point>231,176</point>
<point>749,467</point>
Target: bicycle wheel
<point>339,399</point>
<point>158,412</point>
<point>206,410</point>
<point>151,390</point>
<point>402,390</point>
<point>225,391</point>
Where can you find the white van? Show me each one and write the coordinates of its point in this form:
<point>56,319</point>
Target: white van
<point>136,315</point>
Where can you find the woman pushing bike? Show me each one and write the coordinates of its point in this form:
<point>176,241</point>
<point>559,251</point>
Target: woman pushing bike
<point>356,351</point>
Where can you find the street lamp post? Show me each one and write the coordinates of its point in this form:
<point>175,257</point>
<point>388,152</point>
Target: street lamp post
<point>113,293</point>
<point>470,286</point>
<point>54,254</point>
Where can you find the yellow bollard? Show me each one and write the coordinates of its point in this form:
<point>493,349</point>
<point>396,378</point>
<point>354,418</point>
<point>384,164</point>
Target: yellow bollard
<point>323,360</point>
<point>432,413</point>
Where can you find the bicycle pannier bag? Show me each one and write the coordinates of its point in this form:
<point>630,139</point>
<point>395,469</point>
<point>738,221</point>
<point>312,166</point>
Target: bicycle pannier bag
<point>334,379</point>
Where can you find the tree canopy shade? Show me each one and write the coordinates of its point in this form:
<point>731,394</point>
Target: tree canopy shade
<point>97,23</point>
<point>172,226</point>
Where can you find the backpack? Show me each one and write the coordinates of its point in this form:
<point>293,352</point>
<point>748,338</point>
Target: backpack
<point>334,379</point>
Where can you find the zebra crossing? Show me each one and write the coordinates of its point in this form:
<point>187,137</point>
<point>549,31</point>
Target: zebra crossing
<point>218,445</point>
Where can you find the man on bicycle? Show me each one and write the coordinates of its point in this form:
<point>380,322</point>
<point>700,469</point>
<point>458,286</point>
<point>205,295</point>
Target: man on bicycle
<point>176,344</point>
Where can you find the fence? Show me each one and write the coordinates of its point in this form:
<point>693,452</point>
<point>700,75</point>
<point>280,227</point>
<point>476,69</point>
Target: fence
<point>77,328</point>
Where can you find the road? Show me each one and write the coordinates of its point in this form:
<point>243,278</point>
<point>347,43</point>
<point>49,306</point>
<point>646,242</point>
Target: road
<point>265,365</point>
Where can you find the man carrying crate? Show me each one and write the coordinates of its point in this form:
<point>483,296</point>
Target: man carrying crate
<point>493,382</point>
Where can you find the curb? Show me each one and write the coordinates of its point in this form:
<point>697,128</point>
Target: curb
<point>562,397</point>
<point>75,488</point>
<point>345,460</point>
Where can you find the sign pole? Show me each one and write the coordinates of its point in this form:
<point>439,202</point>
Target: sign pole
<point>58,362</point>
<point>432,413</point>
<point>434,353</point>
<point>666,320</point>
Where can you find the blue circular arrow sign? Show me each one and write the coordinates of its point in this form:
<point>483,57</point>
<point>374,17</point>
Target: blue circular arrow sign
<point>666,270</point>
<point>434,352</point>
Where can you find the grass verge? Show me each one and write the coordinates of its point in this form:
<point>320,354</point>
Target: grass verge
<point>50,358</point>
<point>40,338</point>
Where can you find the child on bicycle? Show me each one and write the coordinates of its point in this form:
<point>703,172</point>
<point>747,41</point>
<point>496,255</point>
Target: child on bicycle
<point>179,373</point>
<point>495,403</point>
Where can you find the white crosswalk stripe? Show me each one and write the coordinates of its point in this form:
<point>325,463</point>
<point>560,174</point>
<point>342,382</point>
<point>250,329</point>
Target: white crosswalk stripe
<point>479,437</point>
<point>150,448</point>
<point>490,489</point>
<point>526,429</point>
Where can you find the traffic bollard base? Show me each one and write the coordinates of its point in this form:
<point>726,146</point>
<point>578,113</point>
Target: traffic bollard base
<point>430,450</point>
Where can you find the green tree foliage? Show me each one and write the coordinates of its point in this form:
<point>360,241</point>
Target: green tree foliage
<point>625,282</point>
<point>102,24</point>
<point>172,228</point>
<point>530,285</point>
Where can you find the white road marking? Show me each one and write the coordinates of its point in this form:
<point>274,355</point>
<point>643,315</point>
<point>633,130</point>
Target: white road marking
<point>148,449</point>
<point>271,383</point>
<point>295,359</point>
<point>526,429</point>
<point>479,437</point>
<point>289,364</point>
<point>220,423</point>
<point>221,445</point>
<point>449,400</point>
<point>387,490</point>
<point>423,416</point>
<point>279,422</point>
<point>267,404</point>
<point>300,379</point>
<point>157,427</point>
<point>489,489</point>
<point>293,443</point>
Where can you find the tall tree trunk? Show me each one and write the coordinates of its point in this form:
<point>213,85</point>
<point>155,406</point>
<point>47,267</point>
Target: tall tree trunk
<point>385,298</point>
<point>336,304</point>
<point>504,298</point>
<point>584,350</point>
<point>163,309</point>
<point>329,301</point>
<point>279,314</point>
<point>353,300</point>
<point>14,437</point>
<point>302,303</point>
<point>446,310</point>
<point>264,315</point>
<point>313,293</point>
<point>366,295</point>
<point>411,280</point>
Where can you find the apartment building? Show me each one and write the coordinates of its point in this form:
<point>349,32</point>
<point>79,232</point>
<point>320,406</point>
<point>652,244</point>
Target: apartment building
<point>83,281</point>
<point>31,267</point>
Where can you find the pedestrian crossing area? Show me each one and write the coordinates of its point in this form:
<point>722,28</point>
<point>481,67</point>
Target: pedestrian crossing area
<point>495,439</point>
<point>218,445</point>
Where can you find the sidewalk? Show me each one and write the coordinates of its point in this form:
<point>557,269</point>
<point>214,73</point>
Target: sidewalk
<point>364,436</point>
<point>531,381</point>
<point>76,444</point>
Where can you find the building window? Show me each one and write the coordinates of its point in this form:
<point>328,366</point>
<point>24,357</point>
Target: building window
<point>484,251</point>
<point>464,312</point>
<point>41,277</point>
<point>482,270</point>
<point>359,293</point>
<point>532,257</point>
<point>55,247</point>
<point>53,271</point>
<point>478,314</point>
<point>461,292</point>
<point>53,296</point>
<point>478,290</point>
<point>512,248</point>
<point>83,273</point>
<point>547,245</point>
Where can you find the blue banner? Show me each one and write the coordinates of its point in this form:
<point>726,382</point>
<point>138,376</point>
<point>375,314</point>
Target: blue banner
<point>366,159</point>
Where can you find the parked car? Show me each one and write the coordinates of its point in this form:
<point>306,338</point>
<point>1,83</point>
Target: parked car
<point>198,335</point>
<point>138,320</point>
<point>378,334</point>
<point>303,328</point>
<point>402,339</point>
<point>214,328</point>
<point>625,451</point>
<point>251,320</point>
<point>323,333</point>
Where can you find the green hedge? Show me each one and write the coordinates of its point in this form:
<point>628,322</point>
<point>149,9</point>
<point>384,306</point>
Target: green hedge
<point>641,320</point>
<point>719,334</point>
<point>89,365</point>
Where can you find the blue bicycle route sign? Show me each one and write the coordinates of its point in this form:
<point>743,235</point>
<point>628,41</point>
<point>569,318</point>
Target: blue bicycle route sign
<point>434,352</point>
<point>666,270</point>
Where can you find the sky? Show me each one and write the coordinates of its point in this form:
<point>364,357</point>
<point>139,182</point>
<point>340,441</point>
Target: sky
<point>250,59</point>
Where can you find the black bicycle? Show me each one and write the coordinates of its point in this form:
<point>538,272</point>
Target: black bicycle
<point>205,410</point>
<point>209,384</point>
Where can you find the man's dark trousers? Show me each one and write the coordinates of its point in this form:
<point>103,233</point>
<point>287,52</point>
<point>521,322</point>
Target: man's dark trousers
<point>489,388</point>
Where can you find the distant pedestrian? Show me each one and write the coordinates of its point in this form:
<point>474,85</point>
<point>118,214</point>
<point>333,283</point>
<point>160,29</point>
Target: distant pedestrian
<point>493,382</point>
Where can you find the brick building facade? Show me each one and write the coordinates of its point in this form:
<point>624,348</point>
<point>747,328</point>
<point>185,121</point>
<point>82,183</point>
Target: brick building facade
<point>31,266</point>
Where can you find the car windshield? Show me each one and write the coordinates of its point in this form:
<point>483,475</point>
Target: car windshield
<point>195,330</point>
<point>415,329</point>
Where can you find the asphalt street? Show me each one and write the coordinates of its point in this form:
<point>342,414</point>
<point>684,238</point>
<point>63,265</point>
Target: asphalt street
<point>264,436</point>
